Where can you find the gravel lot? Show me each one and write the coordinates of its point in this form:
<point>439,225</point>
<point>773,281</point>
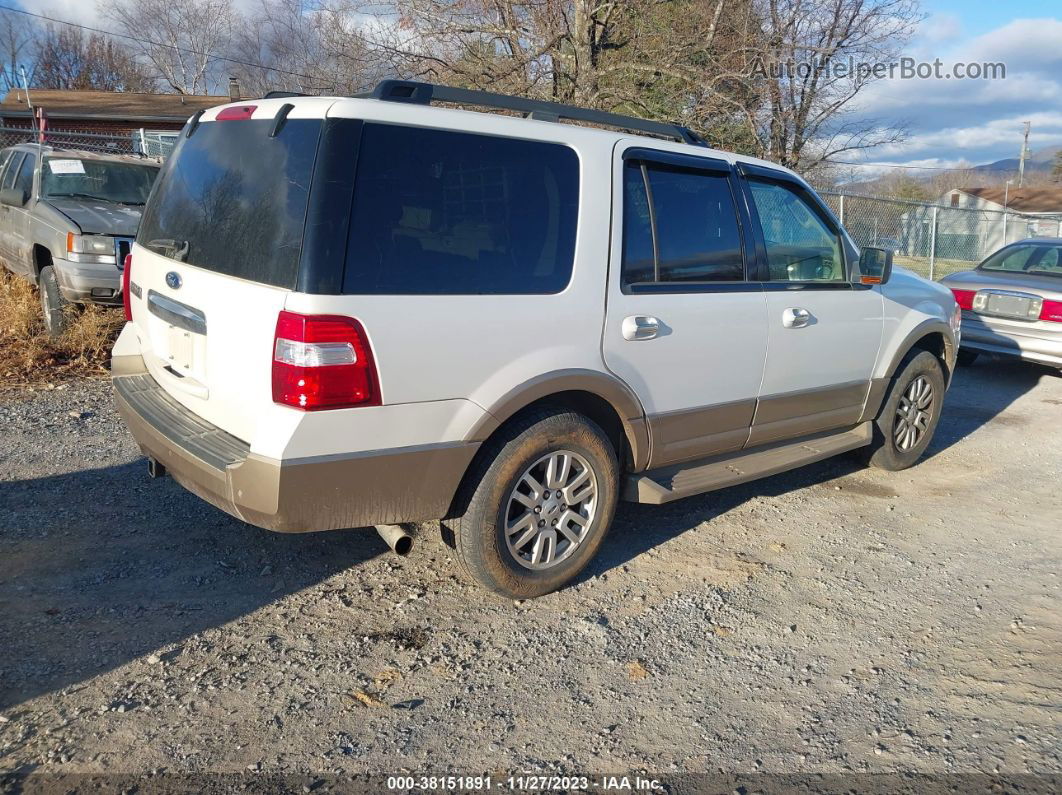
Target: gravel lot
<point>833,619</point>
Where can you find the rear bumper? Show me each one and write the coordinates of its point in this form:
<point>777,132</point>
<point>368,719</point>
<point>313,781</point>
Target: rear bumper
<point>978,336</point>
<point>77,280</point>
<point>294,495</point>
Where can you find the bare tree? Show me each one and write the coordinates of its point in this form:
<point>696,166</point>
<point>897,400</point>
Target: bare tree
<point>813,59</point>
<point>181,39</point>
<point>67,58</point>
<point>672,59</point>
<point>312,47</point>
<point>16,38</point>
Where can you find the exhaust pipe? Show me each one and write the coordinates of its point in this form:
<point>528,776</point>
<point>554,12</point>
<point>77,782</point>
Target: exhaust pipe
<point>395,537</point>
<point>155,469</point>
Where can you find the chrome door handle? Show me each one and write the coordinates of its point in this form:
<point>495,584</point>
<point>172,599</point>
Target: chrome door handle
<point>795,317</point>
<point>640,327</point>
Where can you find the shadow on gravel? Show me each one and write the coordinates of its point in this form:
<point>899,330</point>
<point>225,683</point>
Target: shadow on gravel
<point>979,395</point>
<point>639,528</point>
<point>103,566</point>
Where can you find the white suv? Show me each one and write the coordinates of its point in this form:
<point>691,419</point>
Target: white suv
<point>370,311</point>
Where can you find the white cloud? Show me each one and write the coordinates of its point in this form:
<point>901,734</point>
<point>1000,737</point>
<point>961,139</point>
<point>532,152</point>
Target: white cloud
<point>83,12</point>
<point>975,120</point>
<point>940,28</point>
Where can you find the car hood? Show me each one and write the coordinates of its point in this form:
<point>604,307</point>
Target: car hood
<point>95,217</point>
<point>996,280</point>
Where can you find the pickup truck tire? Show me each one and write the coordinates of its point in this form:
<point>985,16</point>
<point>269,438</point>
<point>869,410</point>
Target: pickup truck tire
<point>53,305</point>
<point>539,504</point>
<point>909,416</point>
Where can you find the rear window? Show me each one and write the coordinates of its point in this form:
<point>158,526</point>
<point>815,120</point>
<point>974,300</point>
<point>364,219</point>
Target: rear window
<point>1032,258</point>
<point>233,200</point>
<point>438,212</point>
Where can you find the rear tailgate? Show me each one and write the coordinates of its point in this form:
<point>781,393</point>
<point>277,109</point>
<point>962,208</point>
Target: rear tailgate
<point>208,342</point>
<point>218,253</point>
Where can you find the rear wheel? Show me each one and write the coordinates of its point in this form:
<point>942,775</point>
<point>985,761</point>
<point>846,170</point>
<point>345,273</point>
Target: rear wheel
<point>908,419</point>
<point>539,505</point>
<point>53,305</point>
<point>966,357</point>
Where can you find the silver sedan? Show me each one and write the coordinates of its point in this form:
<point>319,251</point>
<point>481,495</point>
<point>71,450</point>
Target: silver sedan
<point>1012,303</point>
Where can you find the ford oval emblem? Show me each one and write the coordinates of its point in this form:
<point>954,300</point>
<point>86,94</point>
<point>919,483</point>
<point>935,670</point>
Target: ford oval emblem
<point>173,280</point>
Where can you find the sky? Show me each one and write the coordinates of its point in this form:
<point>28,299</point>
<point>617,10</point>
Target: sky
<point>949,122</point>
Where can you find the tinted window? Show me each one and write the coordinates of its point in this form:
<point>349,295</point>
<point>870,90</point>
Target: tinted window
<point>107,180</point>
<point>639,258</point>
<point>800,244</point>
<point>1024,258</point>
<point>12,170</point>
<point>440,212</point>
<point>233,200</point>
<point>24,181</point>
<point>4,157</point>
<point>695,225</point>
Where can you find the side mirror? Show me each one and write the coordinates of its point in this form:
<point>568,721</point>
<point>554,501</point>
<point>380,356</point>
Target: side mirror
<point>13,197</point>
<point>875,265</point>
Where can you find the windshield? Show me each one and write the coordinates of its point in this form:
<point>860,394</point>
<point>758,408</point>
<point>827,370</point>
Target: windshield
<point>1027,258</point>
<point>103,180</point>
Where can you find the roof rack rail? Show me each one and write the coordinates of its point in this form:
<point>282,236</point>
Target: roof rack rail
<point>283,94</point>
<point>425,93</point>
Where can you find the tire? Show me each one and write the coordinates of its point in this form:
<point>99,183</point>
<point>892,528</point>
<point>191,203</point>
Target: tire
<point>516,564</point>
<point>966,357</point>
<point>893,448</point>
<point>53,305</point>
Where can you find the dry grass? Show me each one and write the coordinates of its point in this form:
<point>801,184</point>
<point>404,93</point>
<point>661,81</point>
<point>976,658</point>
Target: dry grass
<point>29,356</point>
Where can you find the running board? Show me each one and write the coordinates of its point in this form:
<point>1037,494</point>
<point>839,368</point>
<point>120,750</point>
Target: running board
<point>658,486</point>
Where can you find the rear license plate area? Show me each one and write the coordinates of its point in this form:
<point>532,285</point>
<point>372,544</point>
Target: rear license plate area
<point>1011,305</point>
<point>181,350</point>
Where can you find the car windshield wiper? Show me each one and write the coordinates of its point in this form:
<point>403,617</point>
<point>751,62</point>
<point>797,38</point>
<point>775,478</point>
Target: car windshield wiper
<point>78,196</point>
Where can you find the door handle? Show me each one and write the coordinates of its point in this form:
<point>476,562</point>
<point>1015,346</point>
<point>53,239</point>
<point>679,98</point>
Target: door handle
<point>795,317</point>
<point>640,327</point>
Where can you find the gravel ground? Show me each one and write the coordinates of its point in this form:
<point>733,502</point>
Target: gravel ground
<point>829,620</point>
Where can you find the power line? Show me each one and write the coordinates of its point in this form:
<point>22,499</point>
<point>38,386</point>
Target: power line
<point>139,40</point>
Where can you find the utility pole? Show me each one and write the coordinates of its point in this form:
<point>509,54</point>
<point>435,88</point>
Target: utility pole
<point>1024,153</point>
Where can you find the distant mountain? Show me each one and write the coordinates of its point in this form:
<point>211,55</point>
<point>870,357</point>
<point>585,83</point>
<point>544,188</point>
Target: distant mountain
<point>1038,160</point>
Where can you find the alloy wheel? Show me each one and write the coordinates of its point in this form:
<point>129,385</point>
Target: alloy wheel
<point>551,509</point>
<point>913,414</point>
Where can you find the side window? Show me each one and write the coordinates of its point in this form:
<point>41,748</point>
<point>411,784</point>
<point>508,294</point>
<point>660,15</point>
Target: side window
<point>24,180</point>
<point>12,170</point>
<point>639,252</point>
<point>679,225</point>
<point>449,213</point>
<point>801,247</point>
<point>1049,260</point>
<point>5,156</point>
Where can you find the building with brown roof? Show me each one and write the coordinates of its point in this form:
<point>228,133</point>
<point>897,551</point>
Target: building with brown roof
<point>105,112</point>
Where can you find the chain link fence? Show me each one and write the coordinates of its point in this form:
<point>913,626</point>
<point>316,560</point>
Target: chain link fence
<point>155,145</point>
<point>931,239</point>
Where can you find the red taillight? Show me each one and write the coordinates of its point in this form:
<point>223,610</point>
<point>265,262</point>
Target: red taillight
<point>127,268</point>
<point>323,362</point>
<point>237,113</point>
<point>1052,311</point>
<point>964,298</point>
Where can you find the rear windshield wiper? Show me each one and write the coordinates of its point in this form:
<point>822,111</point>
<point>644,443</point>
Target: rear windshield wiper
<point>167,247</point>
